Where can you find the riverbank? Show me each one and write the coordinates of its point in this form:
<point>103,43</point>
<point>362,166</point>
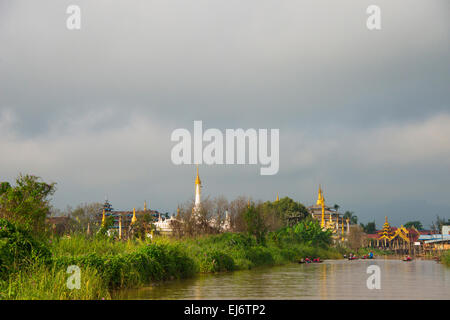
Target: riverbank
<point>106,264</point>
<point>375,251</point>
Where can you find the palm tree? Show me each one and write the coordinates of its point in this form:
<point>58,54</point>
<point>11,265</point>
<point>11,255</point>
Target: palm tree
<point>336,207</point>
<point>351,217</point>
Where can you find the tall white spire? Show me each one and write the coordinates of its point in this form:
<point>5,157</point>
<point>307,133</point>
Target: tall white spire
<point>198,185</point>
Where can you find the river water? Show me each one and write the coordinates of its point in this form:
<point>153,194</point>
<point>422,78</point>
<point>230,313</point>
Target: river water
<point>332,279</point>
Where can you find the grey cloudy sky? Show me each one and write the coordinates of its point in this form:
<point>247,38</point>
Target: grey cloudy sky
<point>364,113</point>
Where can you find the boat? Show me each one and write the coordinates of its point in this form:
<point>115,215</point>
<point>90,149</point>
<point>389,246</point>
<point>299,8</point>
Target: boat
<point>407,259</point>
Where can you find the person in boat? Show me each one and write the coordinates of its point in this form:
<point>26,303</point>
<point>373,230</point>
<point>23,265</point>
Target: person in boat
<point>370,255</point>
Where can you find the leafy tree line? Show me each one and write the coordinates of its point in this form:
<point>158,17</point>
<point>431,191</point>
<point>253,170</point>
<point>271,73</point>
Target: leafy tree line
<point>256,218</point>
<point>27,203</point>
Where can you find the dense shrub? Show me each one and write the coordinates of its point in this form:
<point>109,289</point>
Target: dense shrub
<point>18,248</point>
<point>214,260</point>
<point>27,203</point>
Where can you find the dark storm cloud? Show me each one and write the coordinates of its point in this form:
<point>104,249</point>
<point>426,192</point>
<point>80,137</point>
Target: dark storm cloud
<point>365,113</point>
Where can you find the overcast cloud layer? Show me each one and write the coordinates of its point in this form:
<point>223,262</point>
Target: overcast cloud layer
<point>364,113</point>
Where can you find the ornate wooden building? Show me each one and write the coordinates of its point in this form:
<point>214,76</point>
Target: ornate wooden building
<point>393,238</point>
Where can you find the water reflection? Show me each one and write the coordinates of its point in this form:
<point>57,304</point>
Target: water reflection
<point>341,279</point>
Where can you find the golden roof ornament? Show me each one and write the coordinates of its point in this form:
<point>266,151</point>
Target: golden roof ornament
<point>103,218</point>
<point>133,220</point>
<point>197,179</point>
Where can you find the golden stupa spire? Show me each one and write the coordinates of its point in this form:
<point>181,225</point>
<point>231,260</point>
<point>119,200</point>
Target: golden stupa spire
<point>197,179</point>
<point>120,227</point>
<point>103,218</point>
<point>145,205</point>
<point>133,220</point>
<point>320,197</point>
<point>278,198</point>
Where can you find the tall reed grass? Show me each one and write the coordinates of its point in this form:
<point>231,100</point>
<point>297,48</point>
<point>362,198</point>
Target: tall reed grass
<point>40,282</point>
<point>107,264</point>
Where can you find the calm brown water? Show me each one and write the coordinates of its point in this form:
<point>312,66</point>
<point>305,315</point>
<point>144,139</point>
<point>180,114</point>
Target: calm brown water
<point>333,279</point>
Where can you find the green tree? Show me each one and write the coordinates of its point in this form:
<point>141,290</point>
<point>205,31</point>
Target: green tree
<point>369,228</point>
<point>286,210</point>
<point>351,216</point>
<point>27,203</point>
<point>437,225</point>
<point>84,215</point>
<point>255,223</point>
<point>144,225</point>
<point>416,224</point>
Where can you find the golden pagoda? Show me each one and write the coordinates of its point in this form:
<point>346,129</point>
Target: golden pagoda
<point>327,217</point>
<point>320,197</point>
<point>386,232</point>
<point>278,198</point>
<point>133,220</point>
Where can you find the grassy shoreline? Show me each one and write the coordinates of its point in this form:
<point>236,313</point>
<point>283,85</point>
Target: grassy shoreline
<point>110,265</point>
<point>445,258</point>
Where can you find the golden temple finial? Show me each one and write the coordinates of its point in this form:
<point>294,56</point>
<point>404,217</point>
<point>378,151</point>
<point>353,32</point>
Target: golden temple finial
<point>197,179</point>
<point>145,205</point>
<point>120,227</point>
<point>103,218</point>
<point>322,221</point>
<point>133,220</point>
<point>248,203</point>
<point>278,198</point>
<point>320,197</point>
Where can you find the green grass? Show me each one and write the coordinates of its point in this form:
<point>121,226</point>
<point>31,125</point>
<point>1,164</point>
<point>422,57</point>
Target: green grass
<point>107,264</point>
<point>445,258</point>
<point>40,282</point>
